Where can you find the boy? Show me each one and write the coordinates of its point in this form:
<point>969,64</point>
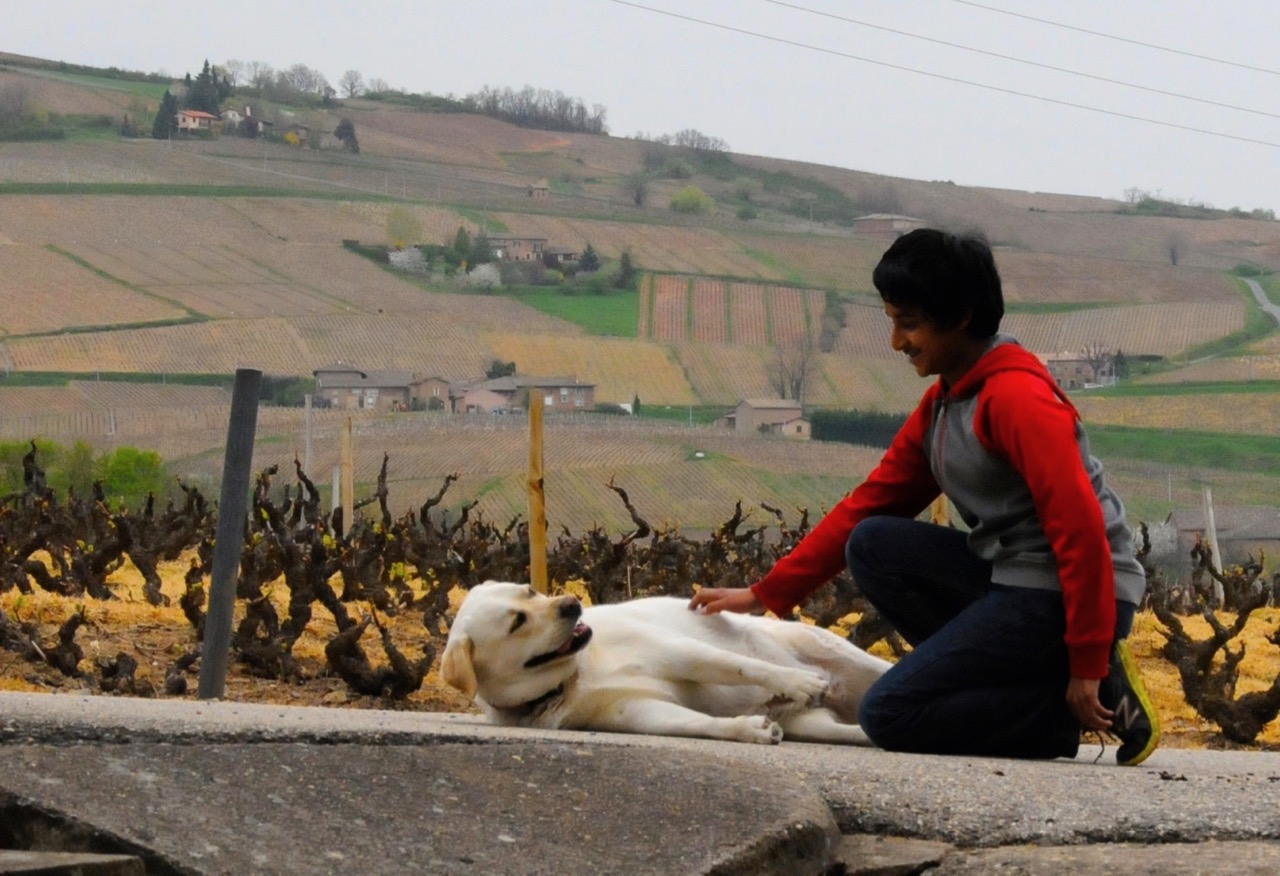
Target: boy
<point>1017,626</point>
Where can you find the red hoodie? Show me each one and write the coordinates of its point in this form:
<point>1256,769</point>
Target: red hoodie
<point>1007,447</point>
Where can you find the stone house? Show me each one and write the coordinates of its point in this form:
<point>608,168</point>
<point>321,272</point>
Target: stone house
<point>771,415</point>
<point>503,394</point>
<point>348,387</point>
<point>890,226</point>
<point>1078,371</point>
<point>1243,531</point>
<point>518,248</point>
<point>195,120</point>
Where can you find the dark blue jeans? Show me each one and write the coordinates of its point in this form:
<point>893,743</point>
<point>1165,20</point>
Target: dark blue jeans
<point>987,673</point>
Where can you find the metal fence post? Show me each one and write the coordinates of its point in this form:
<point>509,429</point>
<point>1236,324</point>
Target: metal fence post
<point>229,536</point>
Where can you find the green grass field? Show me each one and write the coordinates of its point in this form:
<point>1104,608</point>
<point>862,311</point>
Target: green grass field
<point>614,314</point>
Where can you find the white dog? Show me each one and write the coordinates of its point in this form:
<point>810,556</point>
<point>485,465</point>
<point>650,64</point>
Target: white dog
<point>654,666</point>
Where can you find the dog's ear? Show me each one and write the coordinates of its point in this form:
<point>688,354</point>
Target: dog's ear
<point>456,667</point>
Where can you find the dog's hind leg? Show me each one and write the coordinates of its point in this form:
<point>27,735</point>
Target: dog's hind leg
<point>820,725</point>
<point>662,718</point>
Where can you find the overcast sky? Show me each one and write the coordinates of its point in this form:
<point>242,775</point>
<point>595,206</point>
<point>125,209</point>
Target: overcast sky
<point>1026,94</point>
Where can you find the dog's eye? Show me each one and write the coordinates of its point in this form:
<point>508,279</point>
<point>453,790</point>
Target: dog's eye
<point>518,621</point>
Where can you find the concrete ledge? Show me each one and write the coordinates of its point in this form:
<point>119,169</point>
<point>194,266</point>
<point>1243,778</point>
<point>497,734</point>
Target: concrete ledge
<point>68,864</point>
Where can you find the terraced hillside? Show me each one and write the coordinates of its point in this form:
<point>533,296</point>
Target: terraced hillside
<point>203,256</point>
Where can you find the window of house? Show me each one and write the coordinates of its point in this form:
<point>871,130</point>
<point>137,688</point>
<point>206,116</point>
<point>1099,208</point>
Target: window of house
<point>564,393</point>
<point>579,402</point>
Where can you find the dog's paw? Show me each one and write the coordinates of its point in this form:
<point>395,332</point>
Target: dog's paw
<point>761,730</point>
<point>805,688</point>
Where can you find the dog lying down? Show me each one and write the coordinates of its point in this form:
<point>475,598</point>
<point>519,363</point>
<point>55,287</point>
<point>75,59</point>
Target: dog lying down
<point>654,666</point>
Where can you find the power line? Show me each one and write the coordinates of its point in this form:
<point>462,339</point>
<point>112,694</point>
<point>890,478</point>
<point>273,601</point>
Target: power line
<point>1119,38</point>
<point>1017,60</point>
<point>812,48</point>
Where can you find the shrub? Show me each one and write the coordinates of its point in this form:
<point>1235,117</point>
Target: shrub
<point>678,168</point>
<point>485,276</point>
<point>691,199</point>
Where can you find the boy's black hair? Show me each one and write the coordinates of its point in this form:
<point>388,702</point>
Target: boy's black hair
<point>947,276</point>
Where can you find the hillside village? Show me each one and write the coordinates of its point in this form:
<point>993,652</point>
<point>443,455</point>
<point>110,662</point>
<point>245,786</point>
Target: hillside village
<point>747,311</point>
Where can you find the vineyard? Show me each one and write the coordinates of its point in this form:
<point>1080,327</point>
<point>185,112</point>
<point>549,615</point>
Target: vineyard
<point>84,298</point>
<point>318,602</point>
<point>1240,413</point>
<point>490,455</point>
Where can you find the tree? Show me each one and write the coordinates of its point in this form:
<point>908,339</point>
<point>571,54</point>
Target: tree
<point>166,123</point>
<point>638,188</point>
<point>626,276</point>
<point>1176,244</point>
<point>351,83</point>
<point>589,261</point>
<point>403,228</point>
<point>206,92</point>
<point>346,132</point>
<point>498,368</point>
<point>1101,361</point>
<point>691,199</point>
<point>791,368</point>
<point>462,243</point>
<point>481,251</point>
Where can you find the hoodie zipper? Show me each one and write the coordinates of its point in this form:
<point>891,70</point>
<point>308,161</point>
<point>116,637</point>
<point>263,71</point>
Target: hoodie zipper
<point>939,436</point>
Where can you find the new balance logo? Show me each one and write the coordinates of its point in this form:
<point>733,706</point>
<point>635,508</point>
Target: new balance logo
<point>1128,713</point>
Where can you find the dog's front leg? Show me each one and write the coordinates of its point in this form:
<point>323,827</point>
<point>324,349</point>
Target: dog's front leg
<point>662,718</point>
<point>691,660</point>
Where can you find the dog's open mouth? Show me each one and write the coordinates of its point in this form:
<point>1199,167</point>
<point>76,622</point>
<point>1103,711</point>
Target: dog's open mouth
<point>575,643</point>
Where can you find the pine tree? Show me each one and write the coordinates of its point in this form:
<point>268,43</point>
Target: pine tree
<point>590,260</point>
<point>346,132</point>
<point>166,122</point>
<point>203,92</point>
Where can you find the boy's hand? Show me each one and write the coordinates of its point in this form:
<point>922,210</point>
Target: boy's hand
<point>1082,699</point>
<point>713,600</point>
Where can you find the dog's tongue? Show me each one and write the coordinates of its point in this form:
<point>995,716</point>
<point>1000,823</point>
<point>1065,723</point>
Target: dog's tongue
<point>568,643</point>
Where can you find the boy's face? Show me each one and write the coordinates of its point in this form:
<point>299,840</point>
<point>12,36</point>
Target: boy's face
<point>948,352</point>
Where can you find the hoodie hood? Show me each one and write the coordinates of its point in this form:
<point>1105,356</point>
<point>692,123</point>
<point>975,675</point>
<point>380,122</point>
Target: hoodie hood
<point>1003,354</point>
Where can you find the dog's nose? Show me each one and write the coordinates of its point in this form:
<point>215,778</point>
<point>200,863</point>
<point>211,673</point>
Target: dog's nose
<point>570,608</point>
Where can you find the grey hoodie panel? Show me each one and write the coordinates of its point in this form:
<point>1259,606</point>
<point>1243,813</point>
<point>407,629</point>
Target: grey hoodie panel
<point>995,504</point>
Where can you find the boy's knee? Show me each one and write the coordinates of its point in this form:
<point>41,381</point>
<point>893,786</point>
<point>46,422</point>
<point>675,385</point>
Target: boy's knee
<point>859,550</point>
<point>874,720</point>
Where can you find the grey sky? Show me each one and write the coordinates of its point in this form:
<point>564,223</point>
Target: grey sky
<point>835,92</point>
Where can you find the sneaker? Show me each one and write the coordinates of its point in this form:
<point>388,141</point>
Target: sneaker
<point>1135,724</point>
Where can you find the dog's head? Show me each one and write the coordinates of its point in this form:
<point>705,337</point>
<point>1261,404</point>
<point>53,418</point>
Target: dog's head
<point>511,645</point>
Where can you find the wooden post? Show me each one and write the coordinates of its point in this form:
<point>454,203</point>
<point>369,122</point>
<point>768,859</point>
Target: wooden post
<point>1211,533</point>
<point>537,497</point>
<point>233,503</point>
<point>306,455</point>
<point>348,479</point>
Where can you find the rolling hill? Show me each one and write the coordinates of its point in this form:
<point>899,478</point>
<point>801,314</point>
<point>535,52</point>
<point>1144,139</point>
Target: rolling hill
<point>201,256</point>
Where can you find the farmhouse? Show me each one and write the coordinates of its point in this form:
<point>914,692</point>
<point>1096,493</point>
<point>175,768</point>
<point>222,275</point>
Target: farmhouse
<point>539,189</point>
<point>771,415</point>
<point>1243,531</point>
<point>506,393</point>
<point>518,248</point>
<point>195,120</point>
<point>1077,371</point>
<point>886,225</point>
<point>345,386</point>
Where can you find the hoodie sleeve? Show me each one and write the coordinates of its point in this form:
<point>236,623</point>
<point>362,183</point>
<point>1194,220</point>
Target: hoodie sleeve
<point>901,485</point>
<point>1026,422</point>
